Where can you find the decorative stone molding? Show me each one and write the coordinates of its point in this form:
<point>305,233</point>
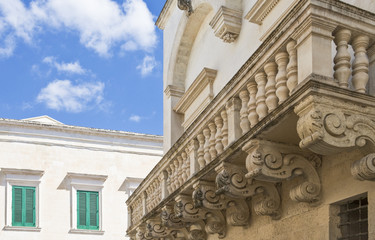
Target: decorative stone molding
<point>155,229</point>
<point>328,125</point>
<point>174,91</point>
<point>214,221</point>
<point>186,6</point>
<point>169,219</point>
<point>141,233</point>
<point>260,10</point>
<point>364,169</point>
<point>237,211</point>
<point>227,24</point>
<point>199,95</point>
<point>231,181</point>
<point>268,161</point>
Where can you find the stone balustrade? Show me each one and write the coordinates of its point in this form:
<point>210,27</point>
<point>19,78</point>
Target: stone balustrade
<point>259,95</point>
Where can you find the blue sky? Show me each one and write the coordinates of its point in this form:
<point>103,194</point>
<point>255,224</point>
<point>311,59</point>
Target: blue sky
<point>91,63</point>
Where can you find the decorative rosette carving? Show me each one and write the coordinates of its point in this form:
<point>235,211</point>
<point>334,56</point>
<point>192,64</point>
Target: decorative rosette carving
<point>214,220</point>
<point>237,211</point>
<point>231,181</point>
<point>364,169</point>
<point>331,128</point>
<point>267,161</point>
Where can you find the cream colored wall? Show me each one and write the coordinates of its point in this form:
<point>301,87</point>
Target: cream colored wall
<point>304,221</point>
<point>68,155</point>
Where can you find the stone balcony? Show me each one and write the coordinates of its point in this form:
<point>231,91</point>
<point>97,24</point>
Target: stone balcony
<point>307,91</point>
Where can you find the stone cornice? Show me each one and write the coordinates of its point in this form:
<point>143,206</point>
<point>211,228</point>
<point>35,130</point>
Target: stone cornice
<point>164,15</point>
<point>17,171</point>
<point>174,91</point>
<point>260,10</point>
<point>227,24</point>
<point>205,78</point>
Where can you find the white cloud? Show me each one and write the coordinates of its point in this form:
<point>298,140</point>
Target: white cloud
<point>135,118</point>
<point>63,95</point>
<point>8,47</point>
<point>101,24</point>
<point>148,64</point>
<point>72,67</point>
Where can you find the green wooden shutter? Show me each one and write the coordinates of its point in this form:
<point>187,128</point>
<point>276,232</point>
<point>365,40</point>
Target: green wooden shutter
<point>81,210</point>
<point>29,207</point>
<point>23,206</point>
<point>94,210</point>
<point>17,206</point>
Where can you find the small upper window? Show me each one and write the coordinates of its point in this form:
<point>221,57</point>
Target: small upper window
<point>353,219</point>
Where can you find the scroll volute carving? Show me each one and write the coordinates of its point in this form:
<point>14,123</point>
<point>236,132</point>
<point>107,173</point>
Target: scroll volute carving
<point>141,233</point>
<point>155,229</point>
<point>169,219</point>
<point>214,221</point>
<point>328,129</point>
<point>237,211</point>
<point>231,181</point>
<point>364,169</point>
<point>268,161</point>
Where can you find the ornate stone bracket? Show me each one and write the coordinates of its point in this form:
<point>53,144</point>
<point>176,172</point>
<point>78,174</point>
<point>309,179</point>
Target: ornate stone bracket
<point>185,5</point>
<point>331,128</point>
<point>169,219</point>
<point>231,181</point>
<point>155,229</point>
<point>237,211</point>
<point>364,169</point>
<point>268,161</point>
<point>227,24</point>
<point>214,221</point>
<point>141,233</point>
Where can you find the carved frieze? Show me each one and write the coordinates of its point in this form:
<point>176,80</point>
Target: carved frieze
<point>231,181</point>
<point>227,24</point>
<point>212,220</point>
<point>268,161</point>
<point>328,125</point>
<point>237,211</point>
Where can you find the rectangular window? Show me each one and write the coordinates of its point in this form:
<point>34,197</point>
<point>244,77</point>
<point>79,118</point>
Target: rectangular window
<point>23,206</point>
<point>87,210</point>
<point>353,219</point>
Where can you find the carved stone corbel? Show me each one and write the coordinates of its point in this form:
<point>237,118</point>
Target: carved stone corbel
<point>185,5</point>
<point>237,211</point>
<point>169,218</point>
<point>364,169</point>
<point>212,220</point>
<point>231,181</point>
<point>328,125</point>
<point>268,161</point>
<point>155,229</point>
<point>141,233</point>
<point>227,24</point>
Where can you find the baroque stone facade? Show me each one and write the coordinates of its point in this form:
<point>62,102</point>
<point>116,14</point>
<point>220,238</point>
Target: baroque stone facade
<point>269,123</point>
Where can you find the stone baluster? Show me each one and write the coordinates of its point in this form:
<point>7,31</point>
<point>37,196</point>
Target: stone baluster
<point>175,179</point>
<point>180,170</point>
<point>271,100</point>
<point>207,155</point>
<point>282,92</point>
<point>371,55</point>
<point>224,129</point>
<point>261,107</point>
<point>218,144</point>
<point>213,151</point>
<point>245,125</point>
<point>186,166</point>
<point>169,182</point>
<point>173,185</point>
<point>360,63</point>
<point>292,67</point>
<point>342,58</point>
<point>252,114</point>
<point>200,154</point>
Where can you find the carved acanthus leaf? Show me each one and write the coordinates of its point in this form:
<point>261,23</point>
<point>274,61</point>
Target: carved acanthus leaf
<point>364,169</point>
<point>328,129</point>
<point>267,161</point>
<point>214,221</point>
<point>237,211</point>
<point>231,181</point>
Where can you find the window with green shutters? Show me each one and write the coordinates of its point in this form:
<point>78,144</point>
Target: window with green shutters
<point>87,210</point>
<point>23,206</point>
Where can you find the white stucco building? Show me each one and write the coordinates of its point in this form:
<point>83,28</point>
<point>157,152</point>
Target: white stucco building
<point>67,182</point>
